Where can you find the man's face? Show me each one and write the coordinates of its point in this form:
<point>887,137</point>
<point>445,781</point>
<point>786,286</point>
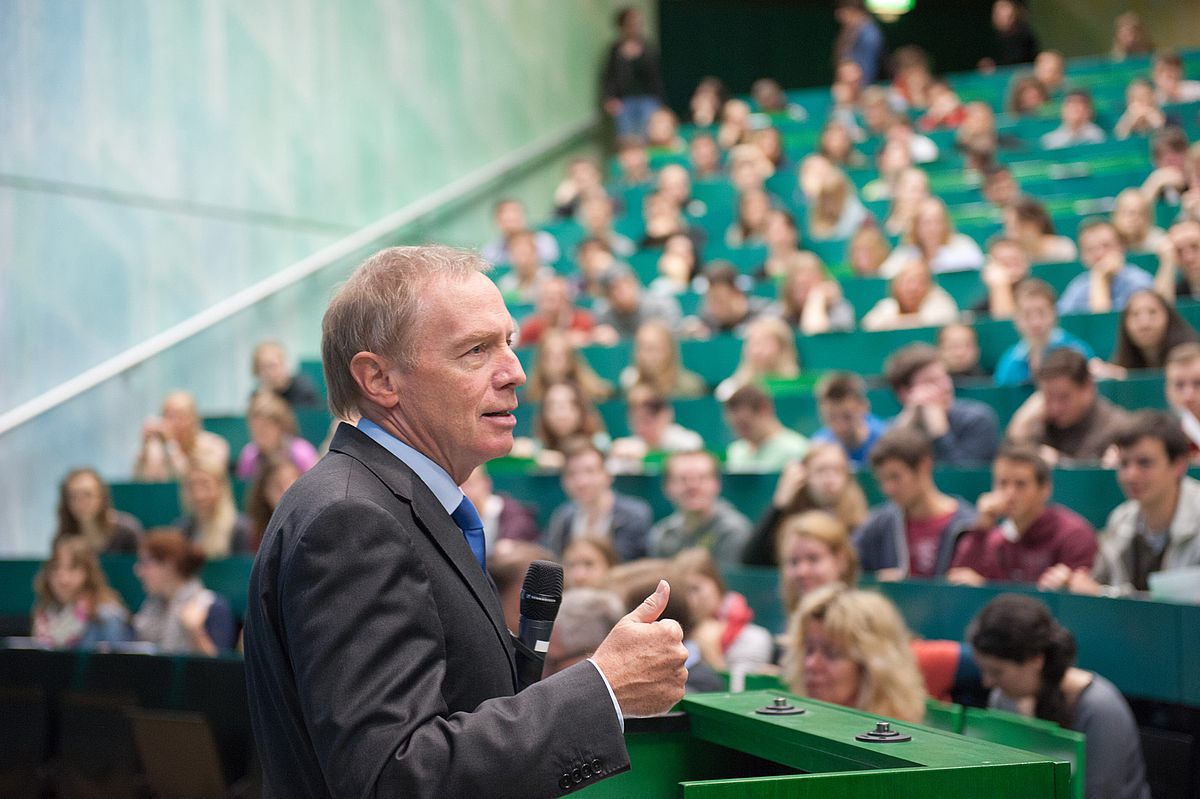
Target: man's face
<point>1016,483</point>
<point>1097,244</point>
<point>1145,472</point>
<point>554,300</point>
<point>625,294</point>
<point>930,385</point>
<point>1035,318</point>
<point>745,421</point>
<point>1076,111</point>
<point>584,477</point>
<point>726,304</point>
<point>842,417</point>
<point>648,422</point>
<point>455,405</point>
<point>1183,386</point>
<point>899,482</point>
<point>1185,237</point>
<point>692,483</point>
<point>1066,401</point>
<point>1001,189</point>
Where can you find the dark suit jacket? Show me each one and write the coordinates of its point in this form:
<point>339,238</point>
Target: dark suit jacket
<point>377,659</point>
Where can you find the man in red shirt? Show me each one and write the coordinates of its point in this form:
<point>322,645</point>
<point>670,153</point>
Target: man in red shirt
<point>1017,535</point>
<point>556,311</point>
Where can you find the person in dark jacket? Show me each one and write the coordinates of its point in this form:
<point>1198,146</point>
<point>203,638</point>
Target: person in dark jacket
<point>631,85</point>
<point>594,509</point>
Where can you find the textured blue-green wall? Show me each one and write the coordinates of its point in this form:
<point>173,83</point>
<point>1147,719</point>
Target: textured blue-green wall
<point>156,157</point>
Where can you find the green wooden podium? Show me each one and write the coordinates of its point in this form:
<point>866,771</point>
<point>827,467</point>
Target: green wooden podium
<point>719,746</point>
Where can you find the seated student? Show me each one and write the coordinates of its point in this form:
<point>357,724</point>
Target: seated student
<point>653,431</point>
<point>1150,328</point>
<point>945,108</point>
<point>1110,280</point>
<point>749,168</point>
<point>594,510</point>
<point>866,251</point>
<point>912,534</point>
<point>1018,535</point>
<point>211,519</point>
<point>1132,218</point>
<point>85,512</point>
<point>1178,277</point>
<point>271,369</point>
<point>810,300</point>
<point>846,416</point>
<point>768,354</point>
<point>508,216</point>
<point>722,619</point>
<point>961,431</point>
<point>73,603</point>
<point>664,219</point>
<point>585,617</point>
<point>263,495</point>
<point>1157,528</point>
<point>932,238</point>
<point>692,482</point>
<point>1142,115</point>
<point>556,310</point>
<point>834,210</point>
<point>1168,153</point>
<point>1078,125</point>
<point>1028,660</point>
<point>656,363</point>
<point>1027,97</point>
<point>594,258</point>
<point>1169,83</point>
<point>556,362</point>
<point>1006,267</point>
<point>763,443</point>
<point>782,239</point>
<point>1066,418</point>
<point>520,286</point>
<point>1000,188</point>
<point>179,613</point>
<point>587,562</point>
<point>912,77</point>
<point>596,217</point>
<point>958,347</point>
<point>625,306</point>
<point>662,131</point>
<point>171,443</point>
<point>1129,37</point>
<point>273,437</point>
<point>725,308</point>
<point>564,416</point>
<point>582,179</point>
<point>503,515</point>
<point>1050,69</point>
<point>1036,319</point>
<point>821,480</point>
<point>912,188</point>
<point>677,267</point>
<point>1027,223</point>
<point>837,144</point>
<point>813,551</point>
<point>915,301</point>
<point>734,128</point>
<point>704,157</point>
<point>1182,388</point>
<point>851,648</point>
<point>634,162</point>
<point>749,228</point>
<point>891,161</point>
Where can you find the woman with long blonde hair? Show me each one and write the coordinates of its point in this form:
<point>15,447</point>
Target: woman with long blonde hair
<point>211,519</point>
<point>656,363</point>
<point>814,551</point>
<point>768,353</point>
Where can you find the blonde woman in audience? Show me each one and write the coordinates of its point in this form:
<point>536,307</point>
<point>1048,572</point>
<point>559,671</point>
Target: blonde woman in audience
<point>1027,223</point>
<point>915,301</point>
<point>834,210</point>
<point>851,648</point>
<point>557,361</point>
<point>73,603</point>
<point>932,238</point>
<point>274,436</point>
<point>912,187</point>
<point>721,619</point>
<point>211,519</point>
<point>85,512</point>
<point>750,227</point>
<point>656,363</point>
<point>867,250</point>
<point>822,481</point>
<point>735,124</point>
<point>179,613</point>
<point>175,440</point>
<point>768,353</point>
<point>587,560</point>
<point>810,300</point>
<point>1133,218</point>
<point>814,551</point>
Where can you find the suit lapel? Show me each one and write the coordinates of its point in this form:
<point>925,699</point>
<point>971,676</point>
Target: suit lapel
<point>434,520</point>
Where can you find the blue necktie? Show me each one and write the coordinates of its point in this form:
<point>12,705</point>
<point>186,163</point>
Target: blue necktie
<point>467,519</point>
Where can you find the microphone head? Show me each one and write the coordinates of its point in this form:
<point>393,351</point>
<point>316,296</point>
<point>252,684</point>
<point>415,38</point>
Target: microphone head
<point>542,591</point>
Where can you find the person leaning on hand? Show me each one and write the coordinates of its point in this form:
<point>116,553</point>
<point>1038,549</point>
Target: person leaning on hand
<point>377,658</point>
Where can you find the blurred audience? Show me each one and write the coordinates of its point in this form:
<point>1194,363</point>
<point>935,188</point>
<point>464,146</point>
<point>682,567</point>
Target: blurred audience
<point>263,495</point>
<point>762,443</point>
<point>85,512</point>
<point>701,518</point>
<point>915,301</point>
<point>179,614</point>
<point>273,437</point>
<point>722,620</point>
<point>211,519</point>
<point>846,418</point>
<point>1036,320</point>
<point>593,510</point>
<point>74,607</point>
<point>502,514</point>
<point>174,441</point>
<point>656,363</point>
<point>273,371</point>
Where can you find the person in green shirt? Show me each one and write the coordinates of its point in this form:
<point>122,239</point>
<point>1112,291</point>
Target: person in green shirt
<point>763,443</point>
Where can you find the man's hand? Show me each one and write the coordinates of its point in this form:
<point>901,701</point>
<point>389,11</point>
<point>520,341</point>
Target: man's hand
<point>962,575</point>
<point>791,481</point>
<point>1055,578</point>
<point>889,575</point>
<point>643,658</point>
<point>1082,582</point>
<point>990,508</point>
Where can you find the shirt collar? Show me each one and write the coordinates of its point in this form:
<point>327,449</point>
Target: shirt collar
<point>435,477</point>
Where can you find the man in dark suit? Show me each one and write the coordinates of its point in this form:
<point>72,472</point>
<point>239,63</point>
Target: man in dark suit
<point>377,658</point>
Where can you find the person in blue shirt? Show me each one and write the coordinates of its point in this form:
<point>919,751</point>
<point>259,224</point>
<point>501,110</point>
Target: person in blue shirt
<point>1110,280</point>
<point>846,416</point>
<point>1037,321</point>
<point>860,39</point>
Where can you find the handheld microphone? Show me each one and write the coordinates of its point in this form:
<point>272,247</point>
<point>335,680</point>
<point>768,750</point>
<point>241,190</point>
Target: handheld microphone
<point>541,594</point>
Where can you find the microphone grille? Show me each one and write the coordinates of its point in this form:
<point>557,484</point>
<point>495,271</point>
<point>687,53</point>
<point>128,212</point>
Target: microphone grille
<point>542,590</point>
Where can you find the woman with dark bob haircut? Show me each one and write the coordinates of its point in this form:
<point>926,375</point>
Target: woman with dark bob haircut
<point>1027,659</point>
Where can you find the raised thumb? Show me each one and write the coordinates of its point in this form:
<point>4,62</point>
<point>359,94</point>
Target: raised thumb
<point>653,605</point>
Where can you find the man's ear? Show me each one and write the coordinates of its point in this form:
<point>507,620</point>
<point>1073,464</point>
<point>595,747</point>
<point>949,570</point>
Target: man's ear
<point>378,379</point>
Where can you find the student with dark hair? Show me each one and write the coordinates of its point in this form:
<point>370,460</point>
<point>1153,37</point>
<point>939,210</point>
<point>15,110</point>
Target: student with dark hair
<point>85,511</point>
<point>1006,267</point>
<point>1110,279</point>
<point>1028,660</point>
<point>961,431</point>
<point>1078,123</point>
<point>1018,534</point>
<point>859,40</point>
<point>727,308</point>
<point>692,482</point>
<point>914,532</point>
<point>1169,84</point>
<point>1157,528</point>
<point>74,605</point>
<point>508,216</point>
<point>594,510</point>
<point>1150,328</point>
<point>1178,277</point>
<point>1036,320</point>
<point>763,443</point>
<point>1168,153</point>
<point>631,85</point>
<point>1182,389</point>
<point>1027,222</point>
<point>846,416</point>
<point>1016,43</point>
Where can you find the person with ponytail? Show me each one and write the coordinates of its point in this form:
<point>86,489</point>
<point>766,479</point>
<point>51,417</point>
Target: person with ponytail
<point>1027,659</point>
